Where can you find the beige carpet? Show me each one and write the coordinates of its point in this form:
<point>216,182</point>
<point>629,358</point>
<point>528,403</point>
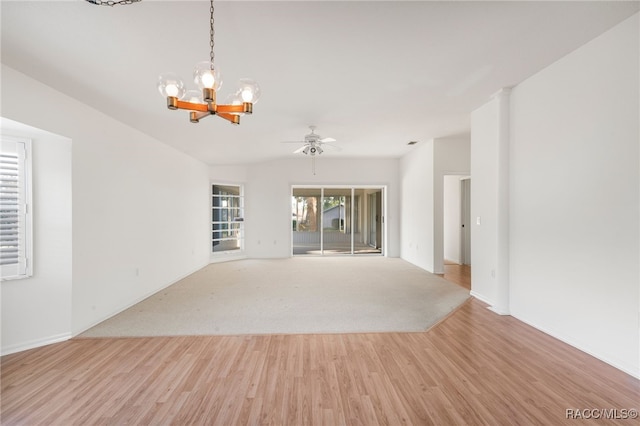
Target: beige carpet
<point>296,295</point>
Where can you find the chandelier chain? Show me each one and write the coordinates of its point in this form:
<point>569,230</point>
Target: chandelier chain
<point>212,32</point>
<point>112,2</point>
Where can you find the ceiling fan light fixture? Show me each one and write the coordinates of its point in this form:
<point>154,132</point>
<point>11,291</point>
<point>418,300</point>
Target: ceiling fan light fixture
<point>312,145</point>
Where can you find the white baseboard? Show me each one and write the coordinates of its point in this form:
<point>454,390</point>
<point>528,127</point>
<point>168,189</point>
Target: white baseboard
<point>481,298</point>
<point>227,258</point>
<point>19,347</point>
<point>499,311</point>
<point>492,306</point>
<point>625,368</point>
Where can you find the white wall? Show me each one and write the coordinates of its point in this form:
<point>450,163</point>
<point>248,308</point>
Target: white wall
<point>452,218</point>
<point>488,275</point>
<point>268,196</point>
<point>228,174</point>
<point>416,210</point>
<point>139,210</point>
<point>452,156</point>
<point>575,184</point>
<point>41,304</point>
<point>422,174</point>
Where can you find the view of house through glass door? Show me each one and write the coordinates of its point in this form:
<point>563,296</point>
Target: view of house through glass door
<point>336,220</point>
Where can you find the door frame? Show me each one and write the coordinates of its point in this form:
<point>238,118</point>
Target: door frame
<point>383,226</point>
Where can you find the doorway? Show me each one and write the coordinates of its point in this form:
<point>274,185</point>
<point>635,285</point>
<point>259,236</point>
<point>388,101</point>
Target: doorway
<point>457,229</point>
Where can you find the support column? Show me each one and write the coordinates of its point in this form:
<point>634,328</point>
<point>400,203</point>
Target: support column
<point>502,304</point>
<point>490,202</point>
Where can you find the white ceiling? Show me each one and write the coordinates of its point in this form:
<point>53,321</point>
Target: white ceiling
<point>372,74</point>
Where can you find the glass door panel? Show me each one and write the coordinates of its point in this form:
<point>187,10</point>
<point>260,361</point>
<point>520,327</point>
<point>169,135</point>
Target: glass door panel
<point>306,220</point>
<point>337,227</point>
<point>373,235</point>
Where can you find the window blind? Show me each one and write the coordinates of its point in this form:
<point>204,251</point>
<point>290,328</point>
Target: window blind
<point>15,219</point>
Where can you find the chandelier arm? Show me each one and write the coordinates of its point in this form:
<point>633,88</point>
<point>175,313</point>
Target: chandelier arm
<point>191,106</point>
<point>111,2</point>
<point>245,108</point>
<point>234,119</point>
<point>195,116</point>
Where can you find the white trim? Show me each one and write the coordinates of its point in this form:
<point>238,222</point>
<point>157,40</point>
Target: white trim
<point>564,339</point>
<point>24,267</point>
<point>481,297</point>
<point>19,347</point>
<point>492,306</point>
<point>220,257</point>
<point>227,253</point>
<point>498,310</point>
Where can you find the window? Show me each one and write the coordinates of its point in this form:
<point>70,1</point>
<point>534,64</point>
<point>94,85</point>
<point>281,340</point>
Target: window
<point>15,208</point>
<point>227,207</point>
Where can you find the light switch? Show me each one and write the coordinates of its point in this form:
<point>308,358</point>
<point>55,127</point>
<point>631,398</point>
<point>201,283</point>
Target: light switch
<point>478,220</point>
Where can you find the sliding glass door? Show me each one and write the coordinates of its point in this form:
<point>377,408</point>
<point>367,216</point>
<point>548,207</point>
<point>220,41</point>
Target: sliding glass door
<point>337,229</point>
<point>306,220</point>
<point>336,220</point>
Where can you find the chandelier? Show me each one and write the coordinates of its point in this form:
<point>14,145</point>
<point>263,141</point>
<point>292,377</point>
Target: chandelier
<point>207,77</point>
<point>112,2</point>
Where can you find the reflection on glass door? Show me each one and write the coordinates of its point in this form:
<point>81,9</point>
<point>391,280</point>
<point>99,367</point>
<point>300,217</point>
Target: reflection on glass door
<point>372,219</point>
<point>306,220</point>
<point>334,221</point>
<point>375,219</point>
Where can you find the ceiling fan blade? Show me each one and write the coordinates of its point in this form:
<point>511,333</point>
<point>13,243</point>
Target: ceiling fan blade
<point>325,140</point>
<point>292,141</point>
<point>299,150</point>
<point>332,146</point>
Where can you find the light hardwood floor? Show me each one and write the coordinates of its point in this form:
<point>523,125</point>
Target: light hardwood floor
<point>474,368</point>
<point>456,273</point>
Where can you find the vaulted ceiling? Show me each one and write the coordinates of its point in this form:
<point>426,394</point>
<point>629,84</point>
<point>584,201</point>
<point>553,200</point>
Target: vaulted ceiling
<point>372,74</point>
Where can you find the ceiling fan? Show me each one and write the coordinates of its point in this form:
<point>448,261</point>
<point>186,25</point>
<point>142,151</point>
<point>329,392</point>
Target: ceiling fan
<point>313,144</point>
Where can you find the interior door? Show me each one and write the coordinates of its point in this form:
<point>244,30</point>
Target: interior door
<point>465,203</point>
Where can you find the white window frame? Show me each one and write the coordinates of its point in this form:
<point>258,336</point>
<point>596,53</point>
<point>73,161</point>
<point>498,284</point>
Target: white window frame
<point>239,222</point>
<point>16,261</point>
